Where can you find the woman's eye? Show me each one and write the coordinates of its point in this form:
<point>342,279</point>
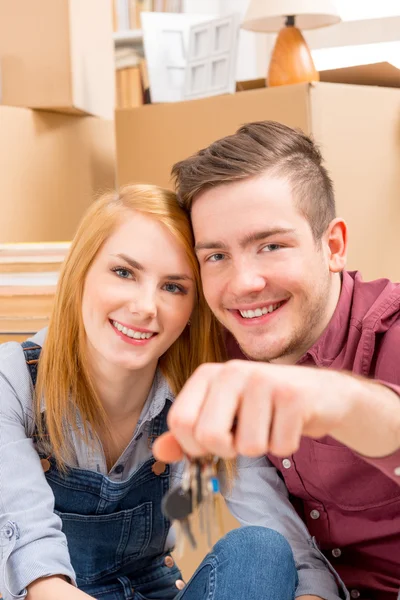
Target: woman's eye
<point>173,288</point>
<point>122,272</point>
<point>271,248</point>
<point>216,257</point>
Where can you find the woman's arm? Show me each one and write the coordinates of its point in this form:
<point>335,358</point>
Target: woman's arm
<point>32,542</point>
<point>49,588</point>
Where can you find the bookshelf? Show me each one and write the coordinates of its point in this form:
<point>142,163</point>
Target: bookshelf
<point>131,37</point>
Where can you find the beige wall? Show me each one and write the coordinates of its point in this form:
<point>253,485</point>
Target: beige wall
<point>359,131</point>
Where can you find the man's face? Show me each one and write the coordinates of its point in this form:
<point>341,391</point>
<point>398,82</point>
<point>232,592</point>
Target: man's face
<point>264,276</point>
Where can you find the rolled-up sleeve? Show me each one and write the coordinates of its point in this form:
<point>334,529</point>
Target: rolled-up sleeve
<point>32,544</point>
<point>389,465</point>
<point>260,497</point>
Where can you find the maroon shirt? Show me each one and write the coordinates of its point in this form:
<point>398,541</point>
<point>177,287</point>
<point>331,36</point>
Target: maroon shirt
<point>350,504</point>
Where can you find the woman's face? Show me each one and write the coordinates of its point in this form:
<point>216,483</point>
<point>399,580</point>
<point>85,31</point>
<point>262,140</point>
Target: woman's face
<point>138,295</point>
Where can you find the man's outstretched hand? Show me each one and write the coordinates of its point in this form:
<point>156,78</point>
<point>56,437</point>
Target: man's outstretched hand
<point>243,407</point>
<point>167,449</point>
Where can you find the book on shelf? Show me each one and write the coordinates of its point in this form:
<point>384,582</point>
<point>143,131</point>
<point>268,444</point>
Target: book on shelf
<point>122,15</point>
<point>132,80</point>
<point>127,56</point>
<point>129,90</point>
<point>126,13</point>
<point>137,7</point>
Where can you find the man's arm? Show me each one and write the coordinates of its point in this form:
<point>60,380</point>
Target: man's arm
<point>372,427</point>
<point>273,406</point>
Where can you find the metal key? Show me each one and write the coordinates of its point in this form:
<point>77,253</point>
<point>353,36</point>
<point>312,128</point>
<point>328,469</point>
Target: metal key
<point>177,505</point>
<point>211,499</point>
<point>197,496</point>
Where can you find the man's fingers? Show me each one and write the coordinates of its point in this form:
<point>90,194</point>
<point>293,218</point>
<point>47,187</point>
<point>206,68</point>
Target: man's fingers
<point>167,449</point>
<point>221,404</point>
<point>187,407</point>
<point>287,422</point>
<point>254,418</point>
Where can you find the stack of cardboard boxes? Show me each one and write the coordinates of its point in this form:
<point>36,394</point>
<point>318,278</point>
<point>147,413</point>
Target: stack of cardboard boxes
<point>356,126</point>
<point>57,146</point>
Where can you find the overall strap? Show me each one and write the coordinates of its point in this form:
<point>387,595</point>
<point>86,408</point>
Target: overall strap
<point>32,353</point>
<point>159,424</point>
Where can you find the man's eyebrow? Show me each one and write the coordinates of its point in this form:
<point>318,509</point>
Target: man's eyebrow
<point>136,265</point>
<point>210,246</point>
<point>258,236</point>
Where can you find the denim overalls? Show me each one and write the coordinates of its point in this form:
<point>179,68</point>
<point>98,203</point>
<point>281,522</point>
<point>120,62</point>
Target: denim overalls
<point>116,531</point>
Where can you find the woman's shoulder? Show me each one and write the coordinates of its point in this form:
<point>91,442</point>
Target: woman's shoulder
<point>12,353</point>
<point>15,379</point>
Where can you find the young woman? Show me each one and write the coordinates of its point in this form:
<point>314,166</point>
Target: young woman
<point>81,405</point>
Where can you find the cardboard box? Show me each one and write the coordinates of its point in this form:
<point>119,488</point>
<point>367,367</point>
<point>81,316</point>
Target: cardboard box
<point>58,55</point>
<point>357,128</point>
<point>383,74</point>
<point>51,167</point>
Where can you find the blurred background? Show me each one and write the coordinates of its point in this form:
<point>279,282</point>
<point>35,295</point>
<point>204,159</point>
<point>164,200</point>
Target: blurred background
<point>95,94</point>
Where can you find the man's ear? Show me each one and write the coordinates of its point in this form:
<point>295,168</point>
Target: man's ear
<point>336,242</point>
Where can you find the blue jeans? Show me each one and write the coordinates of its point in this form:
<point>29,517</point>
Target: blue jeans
<point>250,563</point>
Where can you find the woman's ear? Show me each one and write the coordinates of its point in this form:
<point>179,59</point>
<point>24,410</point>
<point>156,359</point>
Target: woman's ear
<point>336,240</point>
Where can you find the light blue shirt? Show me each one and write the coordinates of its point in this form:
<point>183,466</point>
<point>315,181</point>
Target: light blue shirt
<point>32,543</point>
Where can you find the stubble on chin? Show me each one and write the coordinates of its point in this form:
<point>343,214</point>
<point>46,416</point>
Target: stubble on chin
<point>297,342</point>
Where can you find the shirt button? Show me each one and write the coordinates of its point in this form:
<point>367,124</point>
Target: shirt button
<point>118,469</point>
<point>397,471</point>
<point>286,463</point>
<point>314,514</point>
<point>355,594</point>
<point>336,552</point>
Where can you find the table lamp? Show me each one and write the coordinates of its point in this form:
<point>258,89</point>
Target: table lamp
<point>291,60</point>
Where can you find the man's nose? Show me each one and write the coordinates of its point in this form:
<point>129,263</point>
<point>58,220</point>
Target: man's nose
<point>246,279</point>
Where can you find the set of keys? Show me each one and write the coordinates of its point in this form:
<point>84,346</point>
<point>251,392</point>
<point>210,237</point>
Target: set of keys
<point>197,497</point>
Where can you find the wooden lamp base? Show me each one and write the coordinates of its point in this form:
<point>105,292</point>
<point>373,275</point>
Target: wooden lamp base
<point>291,60</point>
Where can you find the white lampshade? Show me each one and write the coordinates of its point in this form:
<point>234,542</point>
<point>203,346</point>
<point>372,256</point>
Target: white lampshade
<point>270,15</point>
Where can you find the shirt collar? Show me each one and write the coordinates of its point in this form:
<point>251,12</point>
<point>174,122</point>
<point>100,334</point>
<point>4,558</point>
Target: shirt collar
<point>334,338</point>
<point>159,393</point>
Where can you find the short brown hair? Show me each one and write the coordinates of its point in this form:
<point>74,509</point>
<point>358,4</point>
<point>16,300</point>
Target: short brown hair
<point>252,150</point>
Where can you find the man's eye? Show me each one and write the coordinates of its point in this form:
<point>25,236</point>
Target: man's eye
<point>122,272</point>
<point>271,248</point>
<point>216,257</point>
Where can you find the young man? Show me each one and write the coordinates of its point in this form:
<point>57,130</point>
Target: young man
<point>272,254</point>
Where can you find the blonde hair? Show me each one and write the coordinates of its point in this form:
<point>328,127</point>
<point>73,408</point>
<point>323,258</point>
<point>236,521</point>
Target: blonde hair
<point>64,379</point>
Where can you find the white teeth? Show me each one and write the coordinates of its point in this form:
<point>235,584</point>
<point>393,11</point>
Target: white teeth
<point>258,312</point>
<point>137,335</point>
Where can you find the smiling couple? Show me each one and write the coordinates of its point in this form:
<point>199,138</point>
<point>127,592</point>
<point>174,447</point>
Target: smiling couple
<point>313,384</point>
